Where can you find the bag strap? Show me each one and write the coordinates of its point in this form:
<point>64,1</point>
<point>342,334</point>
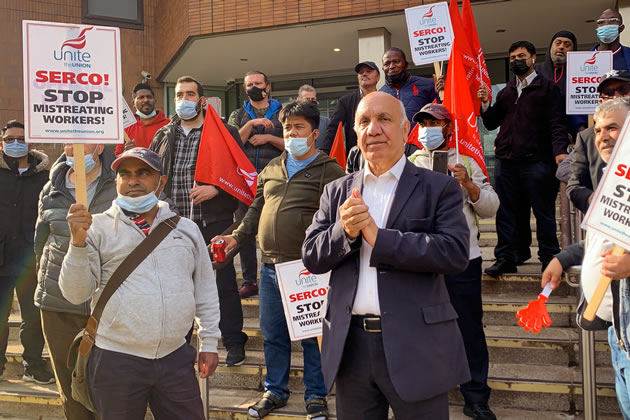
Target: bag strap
<point>132,261</point>
<point>85,340</point>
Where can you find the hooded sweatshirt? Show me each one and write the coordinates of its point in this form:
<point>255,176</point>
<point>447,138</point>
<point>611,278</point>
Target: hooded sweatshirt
<point>486,205</point>
<point>151,312</point>
<point>142,134</point>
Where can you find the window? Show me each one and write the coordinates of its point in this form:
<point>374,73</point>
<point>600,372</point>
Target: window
<point>121,13</point>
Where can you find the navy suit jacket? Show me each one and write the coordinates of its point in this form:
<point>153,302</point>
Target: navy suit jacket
<point>426,236</point>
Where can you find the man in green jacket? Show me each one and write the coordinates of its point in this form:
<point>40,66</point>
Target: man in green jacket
<point>287,198</point>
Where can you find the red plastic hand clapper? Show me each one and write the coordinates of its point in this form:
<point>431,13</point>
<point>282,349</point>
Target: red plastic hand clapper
<point>535,316</point>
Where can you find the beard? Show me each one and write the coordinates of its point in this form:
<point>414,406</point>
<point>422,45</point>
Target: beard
<point>558,59</point>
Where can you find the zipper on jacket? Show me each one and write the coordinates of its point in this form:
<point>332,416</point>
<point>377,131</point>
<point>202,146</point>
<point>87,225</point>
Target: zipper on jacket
<point>163,309</point>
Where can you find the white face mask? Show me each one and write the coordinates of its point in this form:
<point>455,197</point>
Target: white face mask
<point>297,146</point>
<point>138,205</point>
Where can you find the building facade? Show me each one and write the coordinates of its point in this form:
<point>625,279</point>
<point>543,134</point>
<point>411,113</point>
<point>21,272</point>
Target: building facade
<point>293,41</point>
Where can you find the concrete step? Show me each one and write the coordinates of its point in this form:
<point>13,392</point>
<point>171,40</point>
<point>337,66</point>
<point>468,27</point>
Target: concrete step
<point>554,346</point>
<point>232,404</point>
<point>501,309</point>
<point>514,385</point>
<point>498,309</point>
<point>22,401</point>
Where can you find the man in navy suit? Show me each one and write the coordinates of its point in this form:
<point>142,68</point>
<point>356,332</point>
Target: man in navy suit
<point>389,233</point>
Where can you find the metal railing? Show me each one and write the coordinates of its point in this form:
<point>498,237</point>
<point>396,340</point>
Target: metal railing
<point>571,232</point>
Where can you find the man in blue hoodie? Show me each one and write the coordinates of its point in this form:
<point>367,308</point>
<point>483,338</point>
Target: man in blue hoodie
<point>413,91</point>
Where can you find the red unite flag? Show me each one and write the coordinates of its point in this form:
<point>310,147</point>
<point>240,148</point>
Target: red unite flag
<point>468,55</point>
<point>338,149</point>
<point>470,28</point>
<point>458,100</point>
<point>222,163</point>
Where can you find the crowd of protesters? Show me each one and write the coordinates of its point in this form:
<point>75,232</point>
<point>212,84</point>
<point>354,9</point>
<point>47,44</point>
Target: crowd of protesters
<point>400,239</point>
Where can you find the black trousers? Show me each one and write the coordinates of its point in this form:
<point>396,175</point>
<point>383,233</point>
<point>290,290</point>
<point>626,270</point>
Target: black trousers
<point>231,324</point>
<point>31,335</point>
<point>464,289</point>
<point>522,185</point>
<point>365,391</point>
<point>247,251</point>
<point>121,385</point>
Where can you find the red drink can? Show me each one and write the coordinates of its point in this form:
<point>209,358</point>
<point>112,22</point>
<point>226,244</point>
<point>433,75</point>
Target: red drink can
<point>218,250</point>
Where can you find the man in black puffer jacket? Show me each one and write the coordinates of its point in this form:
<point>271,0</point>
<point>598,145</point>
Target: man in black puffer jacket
<point>62,320</point>
<point>23,173</point>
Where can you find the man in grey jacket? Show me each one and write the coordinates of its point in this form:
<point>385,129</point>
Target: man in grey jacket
<point>586,164</point>
<point>62,320</point>
<point>464,289</point>
<point>140,355</point>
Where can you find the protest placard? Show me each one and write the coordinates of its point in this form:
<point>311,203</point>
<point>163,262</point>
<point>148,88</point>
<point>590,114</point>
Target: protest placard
<point>72,83</point>
<point>609,211</point>
<point>430,33</point>
<point>127,115</point>
<point>584,71</point>
<point>304,296</point>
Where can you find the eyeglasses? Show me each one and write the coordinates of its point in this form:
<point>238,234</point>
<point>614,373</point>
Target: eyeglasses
<point>623,90</point>
<point>9,140</point>
<point>609,21</point>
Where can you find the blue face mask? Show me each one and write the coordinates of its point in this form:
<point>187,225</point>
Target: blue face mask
<point>146,116</point>
<point>608,33</point>
<point>297,146</point>
<point>90,163</point>
<point>187,110</point>
<point>15,149</point>
<point>138,205</point>
<point>431,137</point>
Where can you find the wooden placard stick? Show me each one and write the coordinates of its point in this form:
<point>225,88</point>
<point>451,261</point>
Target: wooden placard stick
<point>600,291</point>
<point>438,74</point>
<point>79,173</point>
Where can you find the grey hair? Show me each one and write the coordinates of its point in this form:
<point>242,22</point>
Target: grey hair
<point>306,88</point>
<point>617,104</point>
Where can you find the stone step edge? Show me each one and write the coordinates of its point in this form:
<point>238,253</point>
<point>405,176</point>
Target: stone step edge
<point>532,343</point>
<point>496,384</point>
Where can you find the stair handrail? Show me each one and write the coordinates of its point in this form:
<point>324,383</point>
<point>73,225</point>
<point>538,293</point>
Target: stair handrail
<point>587,354</point>
<point>565,216</point>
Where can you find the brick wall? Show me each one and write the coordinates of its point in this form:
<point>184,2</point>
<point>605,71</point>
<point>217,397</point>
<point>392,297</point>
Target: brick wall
<point>138,51</point>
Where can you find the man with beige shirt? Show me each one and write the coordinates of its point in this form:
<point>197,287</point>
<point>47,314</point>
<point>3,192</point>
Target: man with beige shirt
<point>140,355</point>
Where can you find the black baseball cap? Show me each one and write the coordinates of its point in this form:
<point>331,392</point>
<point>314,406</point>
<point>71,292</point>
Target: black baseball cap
<point>621,75</point>
<point>147,156</point>
<point>370,64</point>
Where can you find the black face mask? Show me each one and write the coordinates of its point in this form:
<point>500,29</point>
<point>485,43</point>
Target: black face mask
<point>256,94</point>
<point>396,79</point>
<point>519,67</point>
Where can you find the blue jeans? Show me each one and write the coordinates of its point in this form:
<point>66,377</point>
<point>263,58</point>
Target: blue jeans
<point>621,364</point>
<point>277,344</point>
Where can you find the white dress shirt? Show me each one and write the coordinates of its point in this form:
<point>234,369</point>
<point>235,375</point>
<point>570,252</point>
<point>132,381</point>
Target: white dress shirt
<point>378,195</point>
<point>520,84</point>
